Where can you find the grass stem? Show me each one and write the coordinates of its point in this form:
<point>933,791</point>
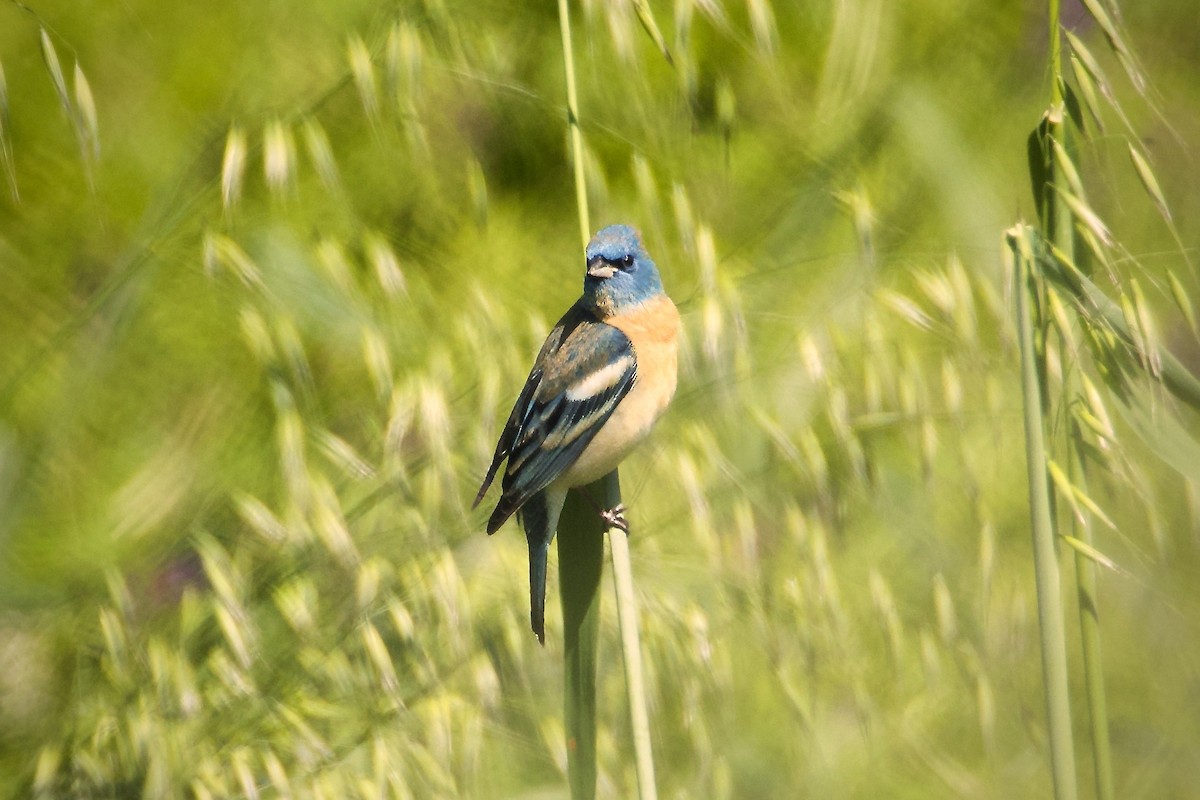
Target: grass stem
<point>580,567</point>
<point>1045,545</point>
<point>627,620</point>
<point>1089,629</point>
<point>584,716</point>
<point>1059,228</point>
<point>581,200</point>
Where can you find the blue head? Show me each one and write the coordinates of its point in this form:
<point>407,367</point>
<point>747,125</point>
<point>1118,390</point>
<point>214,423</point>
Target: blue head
<point>620,274</point>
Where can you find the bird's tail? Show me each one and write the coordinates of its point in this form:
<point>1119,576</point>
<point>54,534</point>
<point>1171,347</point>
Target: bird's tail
<point>537,587</point>
<point>539,518</point>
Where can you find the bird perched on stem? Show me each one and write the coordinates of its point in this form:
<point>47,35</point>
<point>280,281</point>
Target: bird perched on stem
<point>604,375</point>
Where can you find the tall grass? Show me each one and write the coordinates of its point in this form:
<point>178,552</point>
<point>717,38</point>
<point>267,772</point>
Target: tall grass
<point>1072,238</point>
<point>1045,542</point>
<point>580,548</point>
<point>579,674</point>
<point>257,346</point>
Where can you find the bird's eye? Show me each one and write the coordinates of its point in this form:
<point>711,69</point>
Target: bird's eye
<point>627,260</point>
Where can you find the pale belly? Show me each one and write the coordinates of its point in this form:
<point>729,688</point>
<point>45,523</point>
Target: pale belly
<point>653,330</point>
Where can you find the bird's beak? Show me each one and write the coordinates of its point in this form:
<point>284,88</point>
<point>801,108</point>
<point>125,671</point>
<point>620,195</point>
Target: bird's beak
<point>598,268</point>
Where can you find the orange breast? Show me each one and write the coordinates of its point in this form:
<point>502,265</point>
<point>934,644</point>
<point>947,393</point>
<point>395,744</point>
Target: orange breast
<point>653,329</point>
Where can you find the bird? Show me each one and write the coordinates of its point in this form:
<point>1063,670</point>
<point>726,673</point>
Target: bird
<point>604,375</point>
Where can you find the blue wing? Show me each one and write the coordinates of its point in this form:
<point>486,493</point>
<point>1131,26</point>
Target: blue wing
<point>583,371</point>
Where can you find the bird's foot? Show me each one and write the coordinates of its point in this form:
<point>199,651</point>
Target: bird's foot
<point>615,518</point>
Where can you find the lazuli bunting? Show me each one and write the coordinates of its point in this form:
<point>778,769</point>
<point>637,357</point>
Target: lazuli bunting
<point>604,375</point>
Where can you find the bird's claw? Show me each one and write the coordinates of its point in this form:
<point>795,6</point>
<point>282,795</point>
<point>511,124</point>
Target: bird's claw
<point>615,518</point>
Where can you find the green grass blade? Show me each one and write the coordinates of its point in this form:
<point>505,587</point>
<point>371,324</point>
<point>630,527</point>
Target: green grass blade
<point>581,693</point>
<point>1075,495</point>
<point>1045,548</point>
<point>1183,302</point>
<point>627,618</point>
<point>1086,559</point>
<point>1149,181</point>
<point>581,198</point>
<point>580,566</point>
<point>6,152</point>
<point>1087,551</point>
<point>54,67</point>
<point>1161,431</point>
<point>1100,309</point>
<point>1117,43</point>
<point>646,17</point>
<point>1086,89</point>
<point>580,532</point>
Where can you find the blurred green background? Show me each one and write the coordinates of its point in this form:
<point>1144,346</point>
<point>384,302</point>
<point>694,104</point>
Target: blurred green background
<point>261,319</point>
